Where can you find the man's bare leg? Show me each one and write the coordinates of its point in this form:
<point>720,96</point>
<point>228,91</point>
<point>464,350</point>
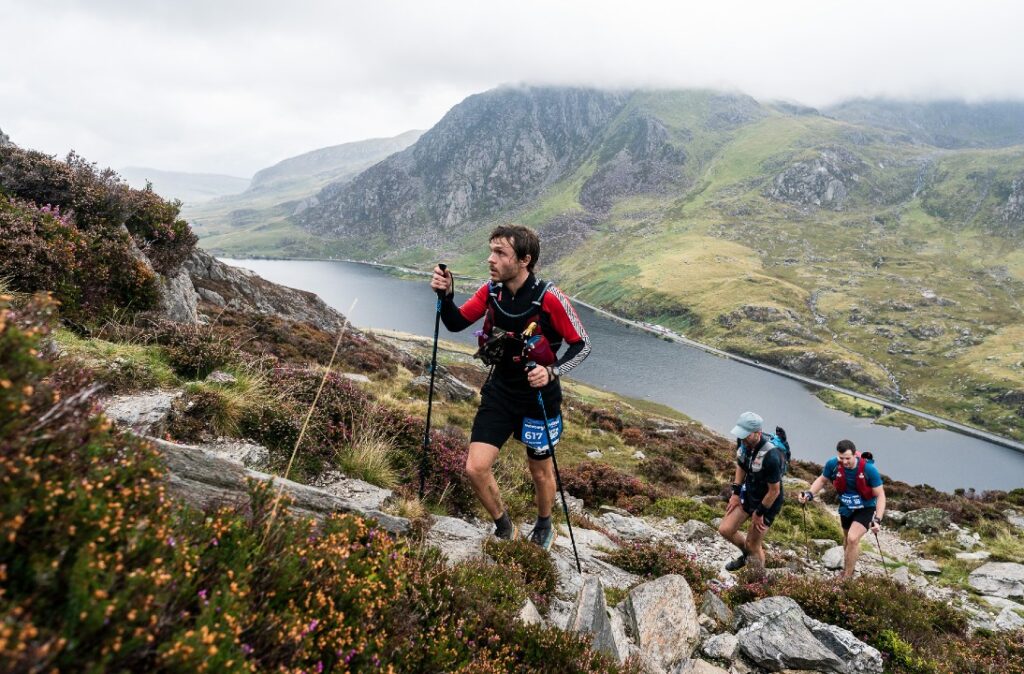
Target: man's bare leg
<point>730,528</point>
<point>543,473</point>
<point>851,545</point>
<point>478,468</point>
<point>754,547</point>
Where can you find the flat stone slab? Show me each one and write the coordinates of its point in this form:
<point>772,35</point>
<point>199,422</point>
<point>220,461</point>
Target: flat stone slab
<point>1000,579</point>
<point>458,540</point>
<point>142,413</point>
<point>248,454</point>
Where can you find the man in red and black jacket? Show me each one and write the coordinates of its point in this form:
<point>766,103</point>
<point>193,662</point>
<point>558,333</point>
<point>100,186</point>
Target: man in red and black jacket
<point>512,301</point>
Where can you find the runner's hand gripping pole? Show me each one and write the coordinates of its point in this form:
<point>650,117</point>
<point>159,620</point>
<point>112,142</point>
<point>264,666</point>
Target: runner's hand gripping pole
<point>558,478</point>
<point>425,457</point>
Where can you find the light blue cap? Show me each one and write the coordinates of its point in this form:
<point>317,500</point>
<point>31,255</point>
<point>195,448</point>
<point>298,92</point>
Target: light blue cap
<point>748,423</point>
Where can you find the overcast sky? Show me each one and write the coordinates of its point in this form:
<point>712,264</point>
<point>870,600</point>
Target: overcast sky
<point>234,86</point>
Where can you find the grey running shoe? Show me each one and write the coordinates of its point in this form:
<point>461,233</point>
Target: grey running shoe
<point>543,537</point>
<point>504,529</point>
<point>736,564</point>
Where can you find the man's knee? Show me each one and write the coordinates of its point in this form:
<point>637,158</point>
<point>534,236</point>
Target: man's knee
<point>476,468</point>
<point>541,469</point>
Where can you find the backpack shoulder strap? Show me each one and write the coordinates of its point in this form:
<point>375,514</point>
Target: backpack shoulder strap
<point>540,291</point>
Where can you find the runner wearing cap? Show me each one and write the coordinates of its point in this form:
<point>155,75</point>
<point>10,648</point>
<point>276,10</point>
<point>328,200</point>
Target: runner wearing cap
<point>756,489</point>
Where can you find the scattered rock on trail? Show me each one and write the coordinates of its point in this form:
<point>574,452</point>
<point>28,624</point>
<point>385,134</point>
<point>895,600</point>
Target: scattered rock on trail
<point>221,377</point>
<point>590,616</point>
<point>721,647</point>
<point>716,609</point>
<point>834,557</point>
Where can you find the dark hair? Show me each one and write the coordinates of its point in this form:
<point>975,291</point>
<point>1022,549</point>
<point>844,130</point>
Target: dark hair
<point>845,446</point>
<point>524,241</point>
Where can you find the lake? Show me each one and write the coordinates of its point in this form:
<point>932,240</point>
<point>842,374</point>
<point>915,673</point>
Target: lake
<point>708,388</point>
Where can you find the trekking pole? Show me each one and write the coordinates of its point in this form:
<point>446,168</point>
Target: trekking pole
<point>558,479</point>
<point>807,537</point>
<point>879,544</point>
<point>424,456</point>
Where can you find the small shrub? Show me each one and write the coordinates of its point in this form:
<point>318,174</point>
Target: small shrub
<point>368,457</point>
<point>195,351</point>
<point>531,564</point>
<point>662,470</point>
<point>653,560</point>
<point>683,509</point>
<point>598,483</point>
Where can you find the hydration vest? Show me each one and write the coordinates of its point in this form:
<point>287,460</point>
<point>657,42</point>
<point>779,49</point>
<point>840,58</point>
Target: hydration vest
<point>497,344</point>
<point>754,464</point>
<point>860,481</point>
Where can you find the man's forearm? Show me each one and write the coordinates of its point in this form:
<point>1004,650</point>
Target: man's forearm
<point>773,494</point>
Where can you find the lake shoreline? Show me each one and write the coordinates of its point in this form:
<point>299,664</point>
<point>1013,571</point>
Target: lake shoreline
<point>670,335</point>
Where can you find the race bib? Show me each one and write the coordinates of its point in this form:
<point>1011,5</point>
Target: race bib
<point>533,434</point>
<point>852,501</point>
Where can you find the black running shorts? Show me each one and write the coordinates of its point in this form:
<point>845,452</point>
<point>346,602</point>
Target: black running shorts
<point>860,515</point>
<point>501,414</point>
<point>750,505</point>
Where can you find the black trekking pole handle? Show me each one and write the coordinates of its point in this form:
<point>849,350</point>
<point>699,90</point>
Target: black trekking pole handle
<point>558,478</point>
<point>424,457</point>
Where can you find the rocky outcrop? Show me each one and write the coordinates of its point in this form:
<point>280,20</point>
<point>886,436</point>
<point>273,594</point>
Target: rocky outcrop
<point>824,181</point>
<point>178,299</point>
<point>927,520</point>
<point>235,288</point>
<point>828,368</point>
<point>1012,210</point>
<point>142,413</point>
<point>446,386</point>
<point>639,157</point>
<point>777,635</point>
<point>490,153</point>
<point>206,480</point>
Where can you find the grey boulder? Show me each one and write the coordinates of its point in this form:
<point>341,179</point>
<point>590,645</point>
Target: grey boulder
<point>927,520</point>
<point>662,618</point>
<point>590,616</point>
<point>777,635</point>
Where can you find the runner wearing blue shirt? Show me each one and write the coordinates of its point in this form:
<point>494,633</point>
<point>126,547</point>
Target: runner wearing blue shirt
<point>861,497</point>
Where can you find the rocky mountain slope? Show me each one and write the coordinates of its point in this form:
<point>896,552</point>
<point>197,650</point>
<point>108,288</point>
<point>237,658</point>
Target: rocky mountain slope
<point>856,253</point>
